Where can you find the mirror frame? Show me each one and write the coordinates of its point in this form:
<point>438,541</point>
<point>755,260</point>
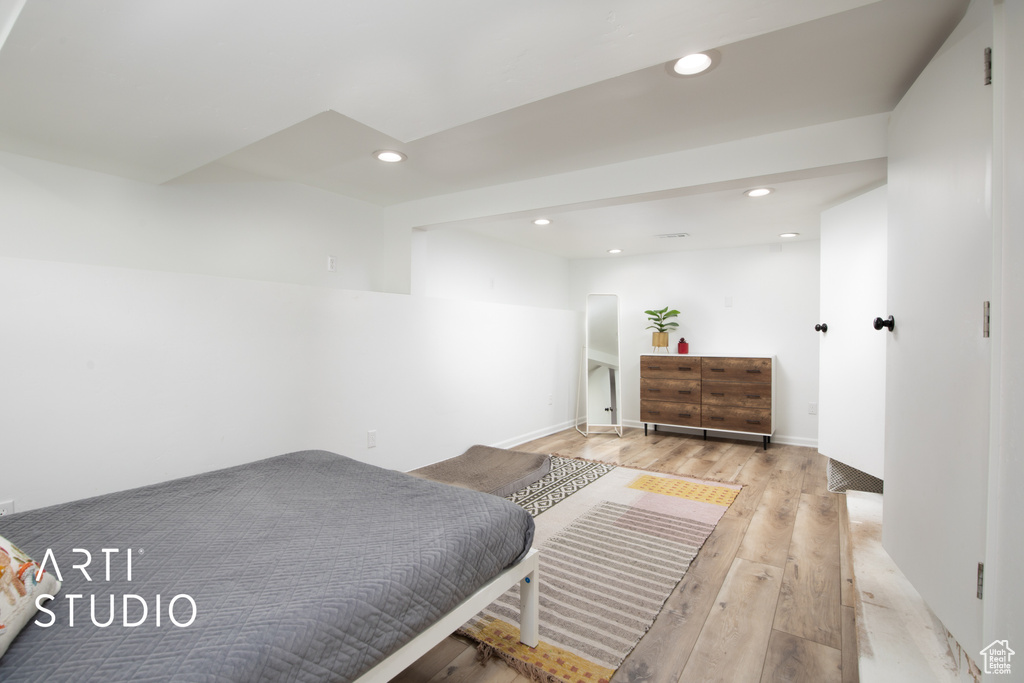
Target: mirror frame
<point>583,387</point>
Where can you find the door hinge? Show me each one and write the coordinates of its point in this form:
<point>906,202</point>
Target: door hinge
<point>986,320</point>
<point>981,580</point>
<point>988,66</point>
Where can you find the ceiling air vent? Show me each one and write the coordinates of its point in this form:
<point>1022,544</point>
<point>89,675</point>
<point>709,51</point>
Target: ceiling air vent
<point>673,234</point>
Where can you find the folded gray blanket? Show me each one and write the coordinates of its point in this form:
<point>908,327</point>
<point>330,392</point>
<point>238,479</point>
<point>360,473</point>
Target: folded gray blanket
<point>497,471</point>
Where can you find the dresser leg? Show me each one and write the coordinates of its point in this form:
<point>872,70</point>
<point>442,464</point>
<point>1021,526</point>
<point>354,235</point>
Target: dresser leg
<point>765,440</point>
<point>645,429</point>
<point>705,435</point>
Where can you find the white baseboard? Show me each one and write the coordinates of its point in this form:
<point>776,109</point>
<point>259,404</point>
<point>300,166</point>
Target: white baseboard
<point>535,434</point>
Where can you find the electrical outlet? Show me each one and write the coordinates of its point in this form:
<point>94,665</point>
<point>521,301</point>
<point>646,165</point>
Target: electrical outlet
<point>6,507</point>
<point>812,408</point>
<point>332,264</point>
<point>371,438</point>
<point>551,399</point>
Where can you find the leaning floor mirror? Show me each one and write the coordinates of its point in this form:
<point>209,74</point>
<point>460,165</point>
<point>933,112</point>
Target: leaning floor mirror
<point>598,396</point>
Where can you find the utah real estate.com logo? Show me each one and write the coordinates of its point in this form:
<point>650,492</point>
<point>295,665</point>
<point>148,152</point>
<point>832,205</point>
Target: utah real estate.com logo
<point>997,657</point>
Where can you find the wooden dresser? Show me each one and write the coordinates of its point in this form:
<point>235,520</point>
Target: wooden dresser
<point>720,393</point>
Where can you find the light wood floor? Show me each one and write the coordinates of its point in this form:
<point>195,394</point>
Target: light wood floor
<point>769,597</point>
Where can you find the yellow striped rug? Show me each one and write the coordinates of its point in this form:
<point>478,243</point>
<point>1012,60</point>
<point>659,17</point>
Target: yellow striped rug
<point>610,555</point>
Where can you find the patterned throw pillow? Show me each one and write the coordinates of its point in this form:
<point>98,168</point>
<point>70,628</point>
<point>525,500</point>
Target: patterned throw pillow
<point>18,591</point>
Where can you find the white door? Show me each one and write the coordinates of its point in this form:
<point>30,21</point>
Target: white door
<point>938,362</point>
<point>851,376</point>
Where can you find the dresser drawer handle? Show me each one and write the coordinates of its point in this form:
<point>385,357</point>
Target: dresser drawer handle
<point>683,369</point>
<point>684,415</point>
<point>717,418</point>
<point>756,372</point>
<point>654,367</point>
<point>753,422</point>
<point>717,369</point>
<point>654,391</point>
<point>654,412</point>
<point>715,393</point>
<point>685,391</point>
<point>753,395</point>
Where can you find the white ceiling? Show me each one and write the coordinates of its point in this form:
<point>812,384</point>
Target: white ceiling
<point>476,93</point>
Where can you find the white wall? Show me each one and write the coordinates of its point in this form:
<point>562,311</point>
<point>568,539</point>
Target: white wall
<point>136,346</point>
<point>457,264</point>
<point>282,232</point>
<point>116,377</point>
<point>451,374</point>
<point>774,306</point>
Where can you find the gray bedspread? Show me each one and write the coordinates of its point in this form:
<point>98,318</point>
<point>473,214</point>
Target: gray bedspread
<point>303,567</point>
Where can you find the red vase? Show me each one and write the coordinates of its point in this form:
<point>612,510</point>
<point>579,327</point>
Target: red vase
<point>684,347</point>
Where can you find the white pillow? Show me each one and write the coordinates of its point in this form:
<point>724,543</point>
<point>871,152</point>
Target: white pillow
<point>18,591</point>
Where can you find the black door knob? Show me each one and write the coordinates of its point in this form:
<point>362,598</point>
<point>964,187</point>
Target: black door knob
<point>821,327</point>
<point>888,322</point>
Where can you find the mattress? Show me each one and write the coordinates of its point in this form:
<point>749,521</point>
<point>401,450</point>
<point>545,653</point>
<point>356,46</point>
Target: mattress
<point>303,567</point>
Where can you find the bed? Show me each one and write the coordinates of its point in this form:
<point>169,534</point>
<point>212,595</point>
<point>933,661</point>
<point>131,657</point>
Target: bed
<point>303,567</point>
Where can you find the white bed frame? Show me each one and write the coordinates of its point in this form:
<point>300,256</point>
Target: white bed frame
<point>525,572</point>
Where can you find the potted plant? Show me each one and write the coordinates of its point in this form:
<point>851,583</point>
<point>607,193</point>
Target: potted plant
<point>661,326</point>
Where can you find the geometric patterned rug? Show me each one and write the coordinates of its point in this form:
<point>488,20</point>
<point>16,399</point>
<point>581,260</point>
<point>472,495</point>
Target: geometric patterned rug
<point>567,476</point>
<point>611,552</point>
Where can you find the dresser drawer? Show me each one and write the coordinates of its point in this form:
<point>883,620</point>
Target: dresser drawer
<point>670,367</point>
<point>757,420</point>
<point>740,394</point>
<point>737,369</point>
<point>681,390</point>
<point>670,413</point>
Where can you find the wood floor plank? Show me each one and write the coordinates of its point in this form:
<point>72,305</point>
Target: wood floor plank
<point>795,660</point>
<point>466,668</point>
<point>694,467</point>
<point>686,448</point>
<point>809,601</point>
<point>662,653</point>
<point>851,673</point>
<point>761,464</point>
<point>816,479</point>
<point>651,450</point>
<point>748,499</point>
<point>690,449</point>
<point>729,466</point>
<point>427,666</point>
<point>732,645</point>
<point>847,586</point>
<point>771,527</point>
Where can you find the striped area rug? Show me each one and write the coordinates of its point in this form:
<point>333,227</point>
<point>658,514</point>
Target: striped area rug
<point>611,553</point>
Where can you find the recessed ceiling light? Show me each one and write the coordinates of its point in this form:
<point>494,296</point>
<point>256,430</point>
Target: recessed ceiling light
<point>694,65</point>
<point>790,234</point>
<point>614,251</point>
<point>389,155</point>
<point>691,65</point>
<point>542,221</point>
<point>759,192</point>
